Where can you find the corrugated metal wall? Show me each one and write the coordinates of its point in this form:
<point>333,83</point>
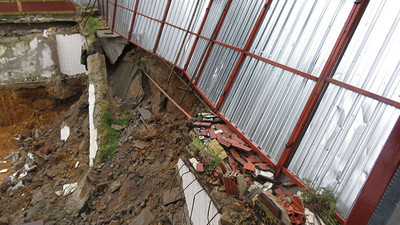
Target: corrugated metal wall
<point>277,73</point>
<point>349,130</point>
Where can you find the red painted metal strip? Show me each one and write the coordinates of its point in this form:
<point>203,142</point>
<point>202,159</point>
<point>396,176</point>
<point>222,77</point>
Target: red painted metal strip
<point>298,72</point>
<point>107,12</point>
<point>133,20</point>
<point>364,92</point>
<point>166,95</point>
<point>378,180</point>
<point>148,17</point>
<point>102,8</point>
<point>162,26</point>
<point>114,14</point>
<point>197,36</point>
<point>124,7</point>
<point>242,55</point>
<point>220,22</point>
<point>320,87</point>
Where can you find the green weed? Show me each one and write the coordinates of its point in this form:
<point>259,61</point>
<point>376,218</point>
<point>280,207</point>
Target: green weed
<point>322,201</point>
<point>110,137</point>
<point>124,121</point>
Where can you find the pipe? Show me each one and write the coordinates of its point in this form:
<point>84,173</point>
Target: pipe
<point>166,95</point>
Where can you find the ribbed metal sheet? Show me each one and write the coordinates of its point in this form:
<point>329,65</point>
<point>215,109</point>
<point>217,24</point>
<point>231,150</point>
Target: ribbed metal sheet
<point>145,32</point>
<point>197,57</point>
<point>123,17</point>
<point>180,14</point>
<point>214,15</point>
<point>372,60</point>
<point>343,142</point>
<point>110,13</point>
<point>152,8</point>
<point>239,21</point>
<point>265,102</point>
<point>217,70</point>
<point>301,34</point>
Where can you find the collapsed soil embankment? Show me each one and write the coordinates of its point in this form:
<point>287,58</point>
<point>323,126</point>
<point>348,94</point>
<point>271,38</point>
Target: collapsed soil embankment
<point>24,109</point>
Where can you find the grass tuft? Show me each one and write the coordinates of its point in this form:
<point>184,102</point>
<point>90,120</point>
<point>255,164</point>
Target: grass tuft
<point>110,137</point>
<point>124,121</point>
<point>322,201</point>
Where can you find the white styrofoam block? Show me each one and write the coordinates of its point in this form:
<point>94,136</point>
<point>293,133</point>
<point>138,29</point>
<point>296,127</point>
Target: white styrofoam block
<point>202,201</point>
<point>69,53</point>
<point>92,129</point>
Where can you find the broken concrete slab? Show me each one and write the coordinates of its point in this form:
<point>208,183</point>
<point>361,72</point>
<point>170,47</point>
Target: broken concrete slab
<point>144,113</point>
<point>113,47</point>
<point>172,195</point>
<point>121,79</point>
<point>144,218</point>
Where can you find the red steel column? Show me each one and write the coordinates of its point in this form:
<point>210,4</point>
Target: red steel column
<point>242,55</point>
<point>107,12</point>
<point>114,13</point>
<point>321,85</point>
<point>197,37</point>
<point>220,22</point>
<point>133,20</point>
<point>378,180</point>
<point>162,26</point>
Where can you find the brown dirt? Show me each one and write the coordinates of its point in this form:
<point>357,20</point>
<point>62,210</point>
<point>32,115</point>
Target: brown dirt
<point>22,112</point>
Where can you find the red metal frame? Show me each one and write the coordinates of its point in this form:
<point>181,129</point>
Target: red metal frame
<point>197,36</point>
<point>107,13</point>
<point>322,82</point>
<point>364,92</point>
<point>133,20</point>
<point>321,85</point>
<point>161,26</point>
<point>220,22</point>
<point>114,14</point>
<point>378,180</point>
<point>242,55</point>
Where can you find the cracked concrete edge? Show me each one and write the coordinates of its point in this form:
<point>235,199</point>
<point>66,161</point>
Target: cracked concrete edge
<point>97,78</point>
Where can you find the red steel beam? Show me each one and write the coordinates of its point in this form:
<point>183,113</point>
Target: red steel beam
<point>133,20</point>
<point>197,36</point>
<point>242,55</point>
<point>378,180</point>
<point>166,95</point>
<point>107,13</point>
<point>114,14</point>
<point>161,26</point>
<point>321,85</point>
<point>220,22</point>
<point>364,92</point>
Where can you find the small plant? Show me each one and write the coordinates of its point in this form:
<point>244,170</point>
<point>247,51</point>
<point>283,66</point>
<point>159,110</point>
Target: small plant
<point>110,137</point>
<point>198,144</point>
<point>322,201</point>
<point>213,163</point>
<point>124,121</point>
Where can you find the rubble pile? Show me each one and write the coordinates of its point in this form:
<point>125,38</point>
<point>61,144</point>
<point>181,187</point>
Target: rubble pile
<point>246,175</point>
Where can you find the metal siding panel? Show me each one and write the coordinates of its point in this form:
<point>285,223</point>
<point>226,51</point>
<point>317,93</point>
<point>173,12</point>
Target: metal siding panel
<point>145,32</point>
<point>265,102</point>
<point>301,34</point>
<point>123,20</point>
<point>215,13</point>
<point>342,143</point>
<point>239,21</point>
<point>196,58</point>
<point>372,61</point>
<point>110,13</point>
<point>216,72</point>
<point>152,8</point>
